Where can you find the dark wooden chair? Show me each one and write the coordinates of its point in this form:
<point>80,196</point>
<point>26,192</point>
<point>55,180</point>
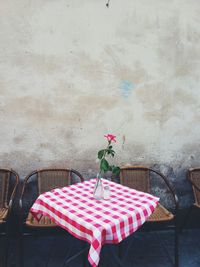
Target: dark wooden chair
<point>36,183</point>
<point>141,178</point>
<point>8,183</point>
<point>193,176</point>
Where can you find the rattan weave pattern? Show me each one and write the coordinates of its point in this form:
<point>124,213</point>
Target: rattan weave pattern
<point>4,185</point>
<point>3,214</point>
<point>47,180</point>
<point>137,179</point>
<point>43,222</point>
<point>51,179</point>
<point>160,214</point>
<point>195,177</point>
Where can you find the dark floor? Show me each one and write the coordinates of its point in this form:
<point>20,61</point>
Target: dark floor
<point>147,250</point>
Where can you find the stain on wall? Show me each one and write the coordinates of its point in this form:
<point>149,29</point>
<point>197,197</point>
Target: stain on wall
<point>126,88</point>
<point>71,71</point>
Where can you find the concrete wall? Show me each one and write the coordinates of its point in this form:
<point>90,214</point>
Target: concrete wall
<point>72,70</point>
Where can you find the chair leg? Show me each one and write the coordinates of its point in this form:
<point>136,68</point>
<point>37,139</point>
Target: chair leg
<point>3,250</point>
<point>7,242</point>
<point>21,251</point>
<point>186,218</point>
<point>176,244</point>
<point>6,250</point>
<point>51,250</point>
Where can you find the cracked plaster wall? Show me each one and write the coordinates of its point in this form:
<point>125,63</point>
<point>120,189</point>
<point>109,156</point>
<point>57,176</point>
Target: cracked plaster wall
<point>71,71</point>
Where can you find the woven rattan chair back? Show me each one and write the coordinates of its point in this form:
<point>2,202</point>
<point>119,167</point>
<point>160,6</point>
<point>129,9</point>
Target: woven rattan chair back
<point>194,177</point>
<point>43,180</point>
<point>36,183</point>
<point>4,186</point>
<point>135,177</point>
<point>51,179</point>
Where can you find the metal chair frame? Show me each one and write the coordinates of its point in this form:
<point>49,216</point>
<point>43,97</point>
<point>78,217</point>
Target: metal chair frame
<point>38,231</point>
<point>196,192</point>
<point>4,229</point>
<point>159,225</point>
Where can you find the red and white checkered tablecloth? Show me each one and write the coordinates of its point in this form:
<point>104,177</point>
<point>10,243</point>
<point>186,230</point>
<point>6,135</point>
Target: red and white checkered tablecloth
<point>96,221</point>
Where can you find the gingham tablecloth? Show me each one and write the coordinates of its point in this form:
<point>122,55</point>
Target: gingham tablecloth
<point>97,222</point>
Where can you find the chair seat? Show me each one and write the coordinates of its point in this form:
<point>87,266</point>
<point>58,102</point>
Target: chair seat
<point>43,222</point>
<point>160,214</point>
<point>3,214</point>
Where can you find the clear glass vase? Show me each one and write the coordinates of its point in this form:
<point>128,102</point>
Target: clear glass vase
<point>98,188</point>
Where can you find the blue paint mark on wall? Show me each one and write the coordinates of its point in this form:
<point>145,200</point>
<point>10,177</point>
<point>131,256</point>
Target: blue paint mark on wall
<point>126,88</point>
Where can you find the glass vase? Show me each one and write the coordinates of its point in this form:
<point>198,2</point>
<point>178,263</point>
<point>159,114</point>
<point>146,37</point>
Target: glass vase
<point>98,189</point>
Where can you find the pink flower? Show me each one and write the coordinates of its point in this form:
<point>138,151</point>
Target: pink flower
<point>110,137</point>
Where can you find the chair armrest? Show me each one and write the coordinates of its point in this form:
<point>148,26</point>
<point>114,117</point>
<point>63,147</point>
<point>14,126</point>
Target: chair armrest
<point>9,207</point>
<point>196,186</point>
<point>191,180</point>
<point>21,205</point>
<point>13,191</point>
<point>22,195</point>
<point>78,174</point>
<point>171,189</point>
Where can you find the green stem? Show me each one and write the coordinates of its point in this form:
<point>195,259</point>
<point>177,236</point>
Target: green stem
<point>104,154</point>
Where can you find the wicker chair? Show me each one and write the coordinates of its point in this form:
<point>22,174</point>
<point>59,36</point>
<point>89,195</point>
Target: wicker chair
<point>8,183</point>
<point>140,178</point>
<point>193,176</point>
<point>36,183</point>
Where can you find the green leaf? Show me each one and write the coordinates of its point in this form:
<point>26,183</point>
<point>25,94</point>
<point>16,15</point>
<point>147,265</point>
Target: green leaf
<point>115,170</point>
<point>111,152</point>
<point>101,153</point>
<point>110,147</point>
<point>104,166</point>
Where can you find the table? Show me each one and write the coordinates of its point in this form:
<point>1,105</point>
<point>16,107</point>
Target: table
<point>98,222</point>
